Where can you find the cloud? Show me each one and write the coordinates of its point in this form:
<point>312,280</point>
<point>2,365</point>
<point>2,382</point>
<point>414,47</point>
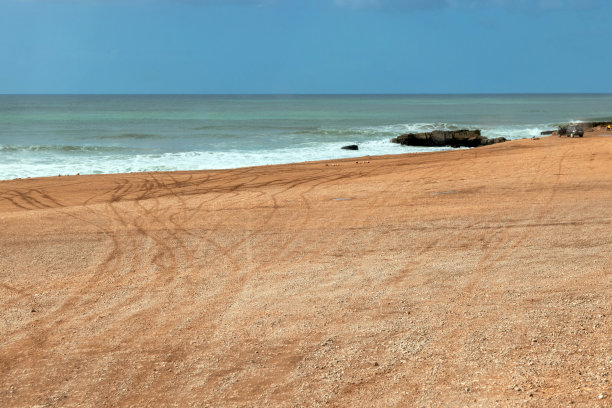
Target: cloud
<point>471,4</point>
<point>392,4</point>
<point>256,3</point>
<point>405,5</point>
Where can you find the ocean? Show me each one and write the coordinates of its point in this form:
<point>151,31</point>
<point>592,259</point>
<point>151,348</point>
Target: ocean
<point>47,135</point>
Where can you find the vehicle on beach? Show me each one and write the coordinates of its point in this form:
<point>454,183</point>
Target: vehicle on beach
<point>573,131</point>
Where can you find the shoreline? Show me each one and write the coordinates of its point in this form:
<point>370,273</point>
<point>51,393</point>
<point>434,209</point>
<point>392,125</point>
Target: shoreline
<point>344,159</point>
<point>102,136</point>
<point>478,276</point>
<point>593,131</point>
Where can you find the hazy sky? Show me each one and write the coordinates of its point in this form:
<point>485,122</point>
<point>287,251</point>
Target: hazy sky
<point>305,46</point>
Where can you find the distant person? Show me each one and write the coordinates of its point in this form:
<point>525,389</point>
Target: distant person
<point>609,128</point>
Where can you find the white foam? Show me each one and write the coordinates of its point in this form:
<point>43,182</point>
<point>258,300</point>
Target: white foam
<point>43,166</point>
<point>372,141</point>
<point>515,132</point>
<point>401,128</point>
<point>509,132</point>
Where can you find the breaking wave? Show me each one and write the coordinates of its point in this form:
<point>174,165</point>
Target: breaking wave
<point>38,166</point>
<point>62,149</point>
<point>509,132</point>
<point>138,136</point>
<point>295,145</point>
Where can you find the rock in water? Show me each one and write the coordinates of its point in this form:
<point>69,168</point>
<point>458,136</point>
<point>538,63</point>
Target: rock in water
<point>454,138</point>
<point>351,147</point>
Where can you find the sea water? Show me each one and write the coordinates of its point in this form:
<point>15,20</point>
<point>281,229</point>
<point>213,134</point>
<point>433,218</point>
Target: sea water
<point>47,135</point>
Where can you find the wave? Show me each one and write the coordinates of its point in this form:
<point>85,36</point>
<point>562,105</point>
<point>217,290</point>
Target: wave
<point>389,131</point>
<point>62,149</point>
<point>320,143</point>
<point>205,127</point>
<point>196,160</point>
<point>516,132</point>
<point>382,130</point>
<point>138,136</point>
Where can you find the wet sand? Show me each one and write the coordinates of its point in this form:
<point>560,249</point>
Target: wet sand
<point>478,277</point>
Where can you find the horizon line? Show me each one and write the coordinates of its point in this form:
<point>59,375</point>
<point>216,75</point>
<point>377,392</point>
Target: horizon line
<point>300,94</point>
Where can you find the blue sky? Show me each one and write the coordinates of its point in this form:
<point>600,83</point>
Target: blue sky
<point>316,46</point>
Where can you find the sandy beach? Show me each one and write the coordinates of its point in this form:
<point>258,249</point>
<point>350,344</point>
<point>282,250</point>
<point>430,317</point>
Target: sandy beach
<point>473,277</point>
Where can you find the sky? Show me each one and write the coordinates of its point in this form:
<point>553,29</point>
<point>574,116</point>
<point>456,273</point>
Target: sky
<point>305,46</point>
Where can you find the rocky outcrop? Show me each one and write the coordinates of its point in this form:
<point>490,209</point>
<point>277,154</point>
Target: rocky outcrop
<point>596,124</point>
<point>453,138</point>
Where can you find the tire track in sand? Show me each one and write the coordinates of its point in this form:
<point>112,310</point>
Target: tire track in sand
<point>451,339</point>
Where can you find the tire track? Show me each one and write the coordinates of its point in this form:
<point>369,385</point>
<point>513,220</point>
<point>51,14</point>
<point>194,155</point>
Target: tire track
<point>499,251</point>
<point>493,244</point>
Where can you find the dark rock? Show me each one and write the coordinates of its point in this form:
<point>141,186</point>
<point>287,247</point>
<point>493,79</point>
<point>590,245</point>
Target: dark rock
<point>486,141</point>
<point>453,138</point>
<point>351,147</point>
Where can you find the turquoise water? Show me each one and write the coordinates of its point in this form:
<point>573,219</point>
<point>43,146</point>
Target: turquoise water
<point>68,134</point>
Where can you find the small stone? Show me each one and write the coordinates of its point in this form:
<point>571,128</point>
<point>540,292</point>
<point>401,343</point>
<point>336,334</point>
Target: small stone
<point>601,396</point>
<point>468,389</point>
<point>351,147</point>
<point>33,310</point>
<point>376,364</point>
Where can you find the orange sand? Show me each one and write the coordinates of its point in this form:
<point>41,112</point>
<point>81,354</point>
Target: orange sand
<point>477,277</point>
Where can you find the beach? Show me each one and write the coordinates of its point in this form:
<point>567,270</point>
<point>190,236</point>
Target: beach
<point>469,277</point>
